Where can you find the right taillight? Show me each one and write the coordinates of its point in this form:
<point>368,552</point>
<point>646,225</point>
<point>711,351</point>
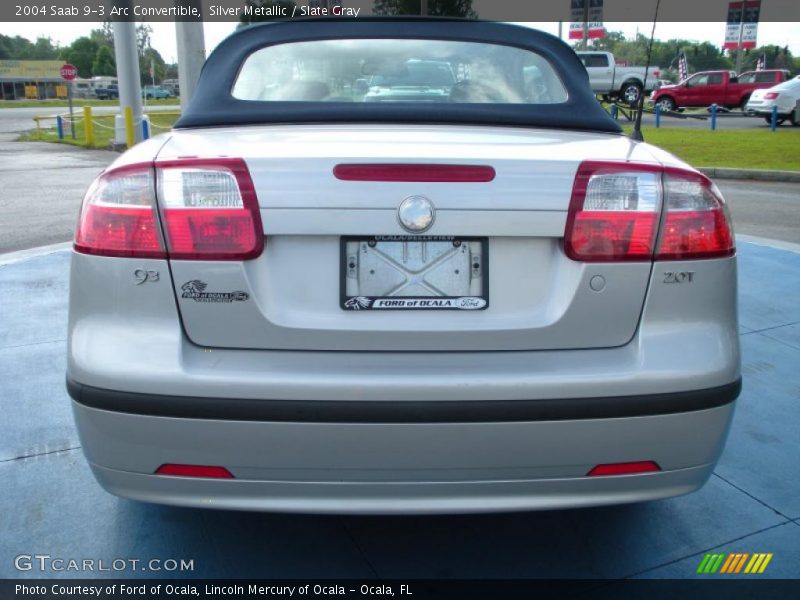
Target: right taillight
<point>696,223</point>
<point>617,207</point>
<point>771,95</point>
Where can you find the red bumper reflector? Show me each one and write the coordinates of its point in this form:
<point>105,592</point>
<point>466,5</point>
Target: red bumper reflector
<point>411,172</point>
<point>194,471</point>
<point>643,466</point>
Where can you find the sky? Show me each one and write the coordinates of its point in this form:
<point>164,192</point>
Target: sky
<point>163,37</point>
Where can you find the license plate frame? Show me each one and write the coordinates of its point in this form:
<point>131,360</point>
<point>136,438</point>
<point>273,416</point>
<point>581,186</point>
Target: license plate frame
<point>478,278</point>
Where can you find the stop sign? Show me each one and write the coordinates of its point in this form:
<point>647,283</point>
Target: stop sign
<point>68,72</point>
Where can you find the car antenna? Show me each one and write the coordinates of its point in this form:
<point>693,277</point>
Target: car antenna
<point>636,134</point>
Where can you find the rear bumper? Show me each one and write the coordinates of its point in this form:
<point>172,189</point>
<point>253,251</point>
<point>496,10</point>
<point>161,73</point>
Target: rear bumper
<point>405,462</point>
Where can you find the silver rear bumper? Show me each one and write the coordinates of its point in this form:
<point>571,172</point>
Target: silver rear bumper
<point>327,467</point>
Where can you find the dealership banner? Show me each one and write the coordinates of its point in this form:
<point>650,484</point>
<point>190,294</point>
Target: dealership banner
<point>742,24</point>
<point>710,586</point>
<point>712,11</point>
<point>586,18</point>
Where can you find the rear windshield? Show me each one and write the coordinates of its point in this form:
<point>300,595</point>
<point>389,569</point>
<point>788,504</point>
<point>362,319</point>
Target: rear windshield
<point>398,70</point>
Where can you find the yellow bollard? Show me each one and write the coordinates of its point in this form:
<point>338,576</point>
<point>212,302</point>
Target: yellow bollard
<point>130,135</point>
<point>88,126</point>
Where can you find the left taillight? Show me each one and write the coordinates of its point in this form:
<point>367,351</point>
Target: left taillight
<point>771,95</point>
<point>209,211</point>
<point>118,215</point>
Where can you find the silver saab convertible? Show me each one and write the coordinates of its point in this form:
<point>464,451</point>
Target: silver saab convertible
<point>401,266</point>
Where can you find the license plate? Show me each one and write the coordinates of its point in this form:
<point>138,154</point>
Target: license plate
<point>414,273</point>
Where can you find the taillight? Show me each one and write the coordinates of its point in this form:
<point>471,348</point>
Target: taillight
<point>696,221</point>
<point>118,215</point>
<point>614,212</point>
<point>771,95</point>
<point>616,209</point>
<point>210,209</point>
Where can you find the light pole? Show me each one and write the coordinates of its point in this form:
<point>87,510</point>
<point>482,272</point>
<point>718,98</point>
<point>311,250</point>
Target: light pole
<point>191,53</point>
<point>126,53</point>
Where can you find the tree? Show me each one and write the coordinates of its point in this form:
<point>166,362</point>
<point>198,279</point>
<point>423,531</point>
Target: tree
<point>104,63</point>
<point>20,48</point>
<point>104,36</point>
<point>436,8</point>
<point>81,53</point>
<point>149,58</point>
<point>777,58</point>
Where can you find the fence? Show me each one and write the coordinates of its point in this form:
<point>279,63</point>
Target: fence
<point>714,112</point>
<point>83,127</point>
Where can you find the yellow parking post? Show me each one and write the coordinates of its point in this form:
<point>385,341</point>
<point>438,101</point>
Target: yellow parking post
<point>130,135</point>
<point>88,126</point>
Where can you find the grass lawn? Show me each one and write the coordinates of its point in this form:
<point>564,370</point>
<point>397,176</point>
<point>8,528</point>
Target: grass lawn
<point>78,103</point>
<point>742,149</point>
<point>103,130</point>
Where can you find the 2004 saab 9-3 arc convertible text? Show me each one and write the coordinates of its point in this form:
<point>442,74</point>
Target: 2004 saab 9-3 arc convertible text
<point>397,266</point>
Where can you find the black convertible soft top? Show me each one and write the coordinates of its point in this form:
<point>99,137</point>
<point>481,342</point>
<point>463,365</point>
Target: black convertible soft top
<point>213,103</point>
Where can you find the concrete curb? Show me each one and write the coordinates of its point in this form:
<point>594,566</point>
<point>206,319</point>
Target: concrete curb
<point>752,174</point>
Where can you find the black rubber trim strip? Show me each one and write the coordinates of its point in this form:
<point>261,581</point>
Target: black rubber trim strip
<point>334,411</point>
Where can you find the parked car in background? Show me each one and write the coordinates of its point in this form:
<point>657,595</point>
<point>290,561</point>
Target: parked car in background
<point>615,81</point>
<point>415,81</point>
<point>722,88</point>
<point>173,86</point>
<point>82,88</point>
<point>156,92</point>
<point>109,92</point>
<point>785,96</point>
<point>313,302</point>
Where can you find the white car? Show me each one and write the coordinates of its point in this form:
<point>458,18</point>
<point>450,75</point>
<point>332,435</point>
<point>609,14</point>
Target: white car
<point>304,300</point>
<point>785,96</point>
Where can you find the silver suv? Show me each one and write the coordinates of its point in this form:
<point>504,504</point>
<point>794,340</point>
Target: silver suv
<point>301,301</point>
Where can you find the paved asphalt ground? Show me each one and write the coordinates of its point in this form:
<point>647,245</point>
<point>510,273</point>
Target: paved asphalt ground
<point>50,504</point>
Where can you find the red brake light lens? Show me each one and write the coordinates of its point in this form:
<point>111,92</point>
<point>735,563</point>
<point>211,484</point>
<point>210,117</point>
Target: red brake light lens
<point>696,222</point>
<point>211,472</point>
<point>771,96</point>
<point>118,215</point>
<point>415,172</point>
<point>628,468</point>
<point>616,209</point>
<point>210,209</point>
<point>613,215</point>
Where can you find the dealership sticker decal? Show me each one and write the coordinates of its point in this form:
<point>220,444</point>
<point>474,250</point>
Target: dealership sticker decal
<point>394,303</point>
<point>196,290</point>
<point>734,563</point>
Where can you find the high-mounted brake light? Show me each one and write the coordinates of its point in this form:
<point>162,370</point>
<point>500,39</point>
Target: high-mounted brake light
<point>209,211</point>
<point>118,215</point>
<point>415,172</point>
<point>616,209</point>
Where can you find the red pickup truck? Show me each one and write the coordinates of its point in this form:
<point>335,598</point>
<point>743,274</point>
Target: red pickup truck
<point>722,88</point>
